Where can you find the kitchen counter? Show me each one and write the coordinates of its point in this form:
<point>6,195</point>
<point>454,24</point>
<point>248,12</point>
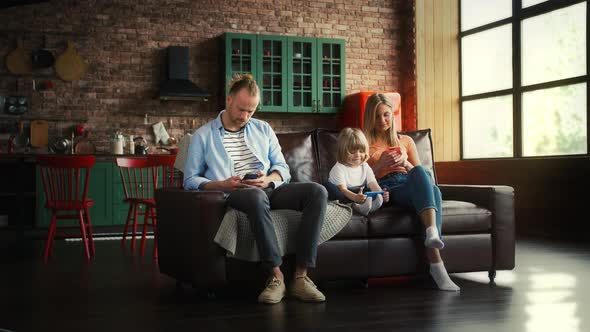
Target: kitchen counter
<point>31,156</point>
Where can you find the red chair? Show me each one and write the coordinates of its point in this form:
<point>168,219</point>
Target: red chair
<point>139,180</point>
<point>66,191</point>
<point>165,162</point>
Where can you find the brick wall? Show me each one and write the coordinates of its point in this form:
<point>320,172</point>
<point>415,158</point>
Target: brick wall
<point>124,44</point>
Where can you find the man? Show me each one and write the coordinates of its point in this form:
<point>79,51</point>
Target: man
<point>223,151</point>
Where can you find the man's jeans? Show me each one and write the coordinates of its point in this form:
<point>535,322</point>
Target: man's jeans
<point>414,190</point>
<point>309,198</point>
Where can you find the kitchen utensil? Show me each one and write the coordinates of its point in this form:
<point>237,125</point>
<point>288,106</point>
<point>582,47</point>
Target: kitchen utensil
<point>69,66</point>
<point>42,58</point>
<point>60,145</point>
<point>85,146</point>
<point>39,133</point>
<point>17,105</point>
<point>21,140</point>
<point>17,61</point>
<point>140,145</point>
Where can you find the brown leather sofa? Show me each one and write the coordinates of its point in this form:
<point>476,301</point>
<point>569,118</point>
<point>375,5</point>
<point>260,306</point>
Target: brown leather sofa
<point>478,227</point>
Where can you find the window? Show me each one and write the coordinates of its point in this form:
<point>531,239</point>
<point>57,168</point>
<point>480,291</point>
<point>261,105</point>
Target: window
<point>524,78</point>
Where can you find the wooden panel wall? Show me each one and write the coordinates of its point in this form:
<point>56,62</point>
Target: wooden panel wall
<point>437,74</point>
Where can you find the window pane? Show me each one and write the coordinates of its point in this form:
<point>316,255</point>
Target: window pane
<point>486,63</point>
<point>487,127</point>
<point>554,45</point>
<point>476,13</point>
<point>554,121</point>
<point>528,3</point>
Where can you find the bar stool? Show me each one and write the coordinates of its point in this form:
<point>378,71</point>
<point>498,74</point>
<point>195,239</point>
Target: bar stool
<point>65,190</point>
<point>139,180</point>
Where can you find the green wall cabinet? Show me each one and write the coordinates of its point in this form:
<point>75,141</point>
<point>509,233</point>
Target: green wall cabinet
<point>295,74</point>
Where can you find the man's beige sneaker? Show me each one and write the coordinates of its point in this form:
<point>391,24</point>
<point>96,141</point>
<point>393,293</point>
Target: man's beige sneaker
<point>305,290</point>
<point>273,292</point>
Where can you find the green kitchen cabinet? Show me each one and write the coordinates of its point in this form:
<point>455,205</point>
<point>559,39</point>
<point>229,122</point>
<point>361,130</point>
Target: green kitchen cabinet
<point>240,55</point>
<point>99,189</point>
<point>295,74</point>
<point>331,79</point>
<point>272,72</point>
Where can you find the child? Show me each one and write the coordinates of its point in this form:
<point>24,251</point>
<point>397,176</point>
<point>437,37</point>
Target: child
<point>351,174</point>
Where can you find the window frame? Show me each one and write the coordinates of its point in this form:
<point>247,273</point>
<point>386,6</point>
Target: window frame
<point>518,15</point>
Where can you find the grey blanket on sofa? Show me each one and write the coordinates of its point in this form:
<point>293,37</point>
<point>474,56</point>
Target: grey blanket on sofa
<point>235,237</point>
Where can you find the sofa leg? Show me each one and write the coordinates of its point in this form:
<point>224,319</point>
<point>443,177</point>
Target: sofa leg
<point>492,275</point>
<point>365,283</point>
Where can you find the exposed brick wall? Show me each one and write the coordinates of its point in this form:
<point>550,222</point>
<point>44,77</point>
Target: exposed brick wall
<point>124,44</point>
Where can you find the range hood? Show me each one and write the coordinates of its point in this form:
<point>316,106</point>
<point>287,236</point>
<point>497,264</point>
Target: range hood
<point>177,85</point>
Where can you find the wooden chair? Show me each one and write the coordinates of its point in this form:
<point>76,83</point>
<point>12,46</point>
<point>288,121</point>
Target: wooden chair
<point>165,162</point>
<point>139,180</point>
<point>65,185</point>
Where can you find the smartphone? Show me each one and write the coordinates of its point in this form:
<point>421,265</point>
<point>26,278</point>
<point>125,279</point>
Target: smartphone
<point>373,194</point>
<point>250,176</point>
<point>396,149</point>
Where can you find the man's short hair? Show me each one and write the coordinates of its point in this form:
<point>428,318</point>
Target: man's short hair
<point>243,81</point>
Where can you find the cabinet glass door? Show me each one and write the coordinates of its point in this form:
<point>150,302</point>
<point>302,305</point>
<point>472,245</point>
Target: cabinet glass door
<point>302,81</point>
<point>272,73</point>
<point>240,53</point>
<point>331,77</point>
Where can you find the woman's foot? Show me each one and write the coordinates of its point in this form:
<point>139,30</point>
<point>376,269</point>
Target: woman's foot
<point>433,239</point>
<point>441,277</point>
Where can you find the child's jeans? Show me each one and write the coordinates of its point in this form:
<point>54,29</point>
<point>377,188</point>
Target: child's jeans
<point>335,194</point>
<point>414,190</point>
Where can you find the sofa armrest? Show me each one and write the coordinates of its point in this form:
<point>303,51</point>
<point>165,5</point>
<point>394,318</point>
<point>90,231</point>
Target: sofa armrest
<point>187,224</point>
<point>500,201</point>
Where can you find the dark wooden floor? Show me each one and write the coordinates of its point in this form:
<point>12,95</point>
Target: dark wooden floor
<point>548,291</point>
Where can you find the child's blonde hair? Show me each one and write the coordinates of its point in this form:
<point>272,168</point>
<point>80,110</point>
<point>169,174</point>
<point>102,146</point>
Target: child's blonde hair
<point>349,141</point>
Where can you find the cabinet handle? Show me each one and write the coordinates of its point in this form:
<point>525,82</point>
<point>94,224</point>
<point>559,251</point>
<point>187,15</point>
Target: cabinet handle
<point>315,105</point>
<point>319,106</point>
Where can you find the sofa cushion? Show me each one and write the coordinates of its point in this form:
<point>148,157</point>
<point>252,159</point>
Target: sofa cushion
<point>463,217</point>
<point>458,218</point>
<point>356,228</point>
<point>300,156</point>
<point>326,142</point>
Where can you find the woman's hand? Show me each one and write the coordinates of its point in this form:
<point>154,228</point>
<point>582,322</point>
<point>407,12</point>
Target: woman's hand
<point>399,159</point>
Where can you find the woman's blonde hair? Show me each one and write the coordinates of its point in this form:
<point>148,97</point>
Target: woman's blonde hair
<point>371,108</point>
<point>243,81</point>
<point>349,141</point>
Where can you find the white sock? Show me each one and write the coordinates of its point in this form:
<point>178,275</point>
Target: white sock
<point>432,238</point>
<point>364,208</point>
<point>441,277</point>
<point>377,202</point>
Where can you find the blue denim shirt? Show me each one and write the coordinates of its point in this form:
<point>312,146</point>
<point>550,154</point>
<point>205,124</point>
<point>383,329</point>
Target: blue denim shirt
<point>208,161</point>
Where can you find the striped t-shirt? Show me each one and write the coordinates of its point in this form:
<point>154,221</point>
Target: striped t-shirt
<point>244,160</point>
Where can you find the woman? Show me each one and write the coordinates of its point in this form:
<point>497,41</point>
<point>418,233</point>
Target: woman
<point>396,165</point>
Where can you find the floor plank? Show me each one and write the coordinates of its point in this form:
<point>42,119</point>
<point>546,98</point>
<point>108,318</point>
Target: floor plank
<point>118,291</point>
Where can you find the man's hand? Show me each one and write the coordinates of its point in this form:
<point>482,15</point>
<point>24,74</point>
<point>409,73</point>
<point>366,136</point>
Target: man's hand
<point>232,184</point>
<point>261,182</point>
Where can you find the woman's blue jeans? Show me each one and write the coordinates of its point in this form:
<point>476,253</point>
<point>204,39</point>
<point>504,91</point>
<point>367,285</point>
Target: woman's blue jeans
<point>414,190</point>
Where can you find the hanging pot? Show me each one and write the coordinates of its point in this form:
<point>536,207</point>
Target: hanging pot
<point>42,58</point>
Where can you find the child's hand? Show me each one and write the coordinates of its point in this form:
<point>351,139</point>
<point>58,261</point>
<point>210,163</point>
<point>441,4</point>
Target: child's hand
<point>359,198</point>
<point>386,196</point>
